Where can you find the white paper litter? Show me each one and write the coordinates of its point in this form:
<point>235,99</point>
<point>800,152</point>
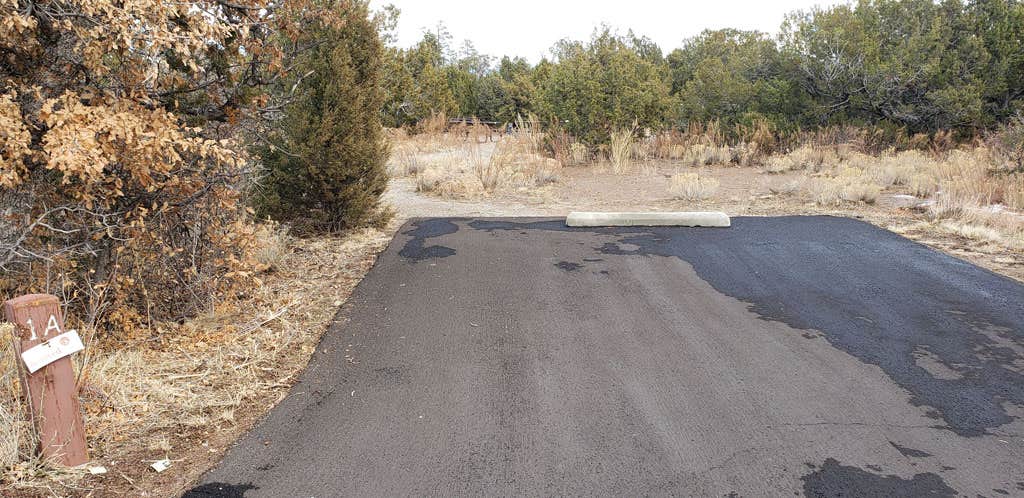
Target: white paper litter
<point>161,465</point>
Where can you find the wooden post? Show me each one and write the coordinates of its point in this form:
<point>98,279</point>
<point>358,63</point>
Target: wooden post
<point>51,392</point>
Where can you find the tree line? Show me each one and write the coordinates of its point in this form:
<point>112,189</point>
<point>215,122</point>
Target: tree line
<point>910,66</point>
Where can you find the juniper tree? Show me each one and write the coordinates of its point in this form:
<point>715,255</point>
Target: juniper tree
<point>324,161</point>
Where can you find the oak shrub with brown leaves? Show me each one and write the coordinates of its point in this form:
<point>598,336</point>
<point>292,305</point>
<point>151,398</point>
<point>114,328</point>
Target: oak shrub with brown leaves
<point>121,188</point>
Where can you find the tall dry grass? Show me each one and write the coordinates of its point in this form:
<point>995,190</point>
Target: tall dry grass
<point>805,157</point>
<point>620,149</point>
<point>518,161</point>
<point>704,146</point>
<point>513,162</point>
<point>275,245</point>
<point>968,191</point>
<point>435,124</point>
<point>17,437</point>
<point>464,160</point>
<point>492,169</point>
<point>405,161</point>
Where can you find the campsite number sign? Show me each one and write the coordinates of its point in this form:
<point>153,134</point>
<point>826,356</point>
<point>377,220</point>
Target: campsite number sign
<point>51,324</point>
<point>48,378</point>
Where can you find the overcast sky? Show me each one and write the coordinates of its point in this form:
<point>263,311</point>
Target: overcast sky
<point>528,28</point>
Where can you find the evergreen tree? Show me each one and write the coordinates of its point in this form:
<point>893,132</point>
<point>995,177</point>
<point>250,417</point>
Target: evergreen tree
<point>596,88</point>
<point>325,165</point>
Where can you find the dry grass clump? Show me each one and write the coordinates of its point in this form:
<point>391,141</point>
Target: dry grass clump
<point>969,193</point>
<point>200,373</point>
<point>415,152</point>
<point>405,161</point>
<point>691,187</point>
<point>1012,194</point>
<point>675,152</point>
<point>978,178</point>
<point>16,434</point>
<point>447,182</point>
<point>273,244</point>
<point>844,184</point>
<point>707,154</point>
<point>463,162</point>
<point>792,187</point>
<point>962,184</point>
<point>546,172</point>
<point>1006,145</point>
<point>620,150</point>
<point>812,158</point>
<point>805,157</point>
<point>964,206</point>
<point>672,144</point>
<point>529,134</point>
<point>565,148</point>
<point>861,192</point>
<point>746,154</point>
<point>778,164</point>
<point>578,153</point>
<point>706,145</point>
<point>985,229</point>
<point>516,162</point>
<point>896,169</point>
<point>512,162</point>
<point>827,192</point>
<point>922,185</point>
<point>965,184</point>
<point>974,232</point>
<point>490,170</point>
<point>667,145</point>
<point>435,124</point>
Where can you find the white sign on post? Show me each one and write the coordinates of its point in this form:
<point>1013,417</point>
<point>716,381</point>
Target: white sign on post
<point>52,350</point>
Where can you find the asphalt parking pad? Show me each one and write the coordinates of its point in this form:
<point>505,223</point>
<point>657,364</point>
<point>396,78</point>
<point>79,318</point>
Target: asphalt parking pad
<point>807,355</point>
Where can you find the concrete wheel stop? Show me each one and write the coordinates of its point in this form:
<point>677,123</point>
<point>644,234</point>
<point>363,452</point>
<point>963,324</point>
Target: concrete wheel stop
<point>626,219</point>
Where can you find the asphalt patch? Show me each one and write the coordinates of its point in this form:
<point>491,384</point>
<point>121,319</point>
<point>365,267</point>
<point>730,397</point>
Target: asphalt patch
<point>833,480</point>
<point>219,490</point>
<point>417,249</point>
<point>868,291</point>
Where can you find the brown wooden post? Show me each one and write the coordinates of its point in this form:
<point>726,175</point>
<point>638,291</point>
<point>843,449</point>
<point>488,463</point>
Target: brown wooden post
<point>51,392</point>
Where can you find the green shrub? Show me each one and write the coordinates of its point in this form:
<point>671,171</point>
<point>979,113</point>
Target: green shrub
<point>325,162</point>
